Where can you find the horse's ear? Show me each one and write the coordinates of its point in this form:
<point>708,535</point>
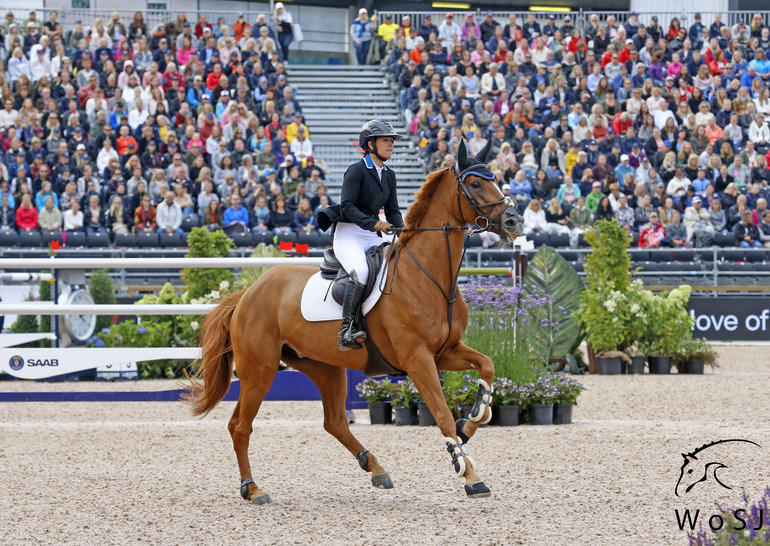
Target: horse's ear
<point>462,154</point>
<point>482,155</point>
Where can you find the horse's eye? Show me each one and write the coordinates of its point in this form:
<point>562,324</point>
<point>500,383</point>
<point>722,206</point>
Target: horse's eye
<point>476,185</point>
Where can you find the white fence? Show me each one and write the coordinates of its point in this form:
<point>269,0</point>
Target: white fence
<point>37,363</point>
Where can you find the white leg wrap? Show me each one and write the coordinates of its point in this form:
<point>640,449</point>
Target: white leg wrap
<point>457,451</point>
<point>486,401</point>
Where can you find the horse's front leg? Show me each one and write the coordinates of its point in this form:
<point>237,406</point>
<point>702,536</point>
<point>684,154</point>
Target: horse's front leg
<point>460,357</point>
<point>422,370</point>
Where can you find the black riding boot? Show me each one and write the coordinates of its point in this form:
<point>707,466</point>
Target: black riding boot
<point>351,337</point>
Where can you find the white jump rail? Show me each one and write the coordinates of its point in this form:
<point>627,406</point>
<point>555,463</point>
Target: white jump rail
<point>151,263</point>
<point>40,363</point>
<point>45,308</point>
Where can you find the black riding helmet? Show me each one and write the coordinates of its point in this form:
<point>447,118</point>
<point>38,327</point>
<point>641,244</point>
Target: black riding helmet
<point>372,130</point>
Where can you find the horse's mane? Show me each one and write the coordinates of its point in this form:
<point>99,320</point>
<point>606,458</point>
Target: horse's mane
<point>419,208</point>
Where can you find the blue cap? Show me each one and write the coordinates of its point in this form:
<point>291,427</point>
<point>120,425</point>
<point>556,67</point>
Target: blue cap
<point>432,118</point>
<point>667,143</point>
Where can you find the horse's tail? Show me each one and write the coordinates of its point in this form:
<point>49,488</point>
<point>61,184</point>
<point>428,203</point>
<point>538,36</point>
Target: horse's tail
<point>216,364</point>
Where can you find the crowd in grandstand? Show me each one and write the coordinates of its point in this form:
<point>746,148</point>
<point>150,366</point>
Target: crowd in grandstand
<point>116,126</point>
<point>664,130</point>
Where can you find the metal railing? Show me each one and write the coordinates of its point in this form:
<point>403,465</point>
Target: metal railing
<point>707,266</point>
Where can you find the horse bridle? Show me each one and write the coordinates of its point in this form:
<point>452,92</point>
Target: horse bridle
<point>478,209</point>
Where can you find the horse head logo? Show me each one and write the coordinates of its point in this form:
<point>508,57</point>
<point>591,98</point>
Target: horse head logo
<point>698,466</point>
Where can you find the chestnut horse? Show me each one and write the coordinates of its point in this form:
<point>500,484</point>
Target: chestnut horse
<point>262,325</point>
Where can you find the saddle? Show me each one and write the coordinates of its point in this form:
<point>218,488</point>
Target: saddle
<point>332,270</point>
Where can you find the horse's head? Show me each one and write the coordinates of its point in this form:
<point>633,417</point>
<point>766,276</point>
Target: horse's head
<point>480,200</point>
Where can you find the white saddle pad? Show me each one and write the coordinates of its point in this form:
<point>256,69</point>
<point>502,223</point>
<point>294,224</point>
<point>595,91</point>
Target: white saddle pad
<point>319,305</point>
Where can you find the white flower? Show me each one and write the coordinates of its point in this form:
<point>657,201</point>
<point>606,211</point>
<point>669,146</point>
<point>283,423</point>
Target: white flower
<point>634,308</point>
<point>224,285</point>
<point>215,295</point>
<point>194,325</point>
<point>610,305</point>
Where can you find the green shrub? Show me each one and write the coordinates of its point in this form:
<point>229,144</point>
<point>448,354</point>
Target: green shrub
<point>103,293</point>
<point>206,244</point>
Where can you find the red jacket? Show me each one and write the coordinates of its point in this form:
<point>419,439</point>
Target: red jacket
<point>26,218</point>
<point>212,80</point>
<point>651,235</point>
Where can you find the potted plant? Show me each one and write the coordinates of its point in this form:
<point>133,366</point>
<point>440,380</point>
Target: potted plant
<point>605,316</point>
<point>377,393</point>
<point>424,416</point>
<point>510,399</point>
<point>694,355</point>
<point>668,327</point>
<point>540,398</point>
<point>604,309</point>
<point>404,397</point>
<point>567,392</point>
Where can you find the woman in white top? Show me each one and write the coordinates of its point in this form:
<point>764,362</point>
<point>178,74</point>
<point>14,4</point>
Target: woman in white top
<point>534,218</point>
<point>762,104</point>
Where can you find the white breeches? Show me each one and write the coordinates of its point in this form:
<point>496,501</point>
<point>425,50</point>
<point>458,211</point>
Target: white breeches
<point>350,246</point>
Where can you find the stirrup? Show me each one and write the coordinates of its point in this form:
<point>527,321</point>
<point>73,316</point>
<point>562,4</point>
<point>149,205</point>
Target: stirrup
<point>351,340</point>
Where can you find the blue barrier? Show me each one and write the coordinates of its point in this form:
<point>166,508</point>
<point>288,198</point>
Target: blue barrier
<point>288,385</point>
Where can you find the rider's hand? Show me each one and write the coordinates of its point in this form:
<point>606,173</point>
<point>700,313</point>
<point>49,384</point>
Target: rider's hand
<point>382,226</point>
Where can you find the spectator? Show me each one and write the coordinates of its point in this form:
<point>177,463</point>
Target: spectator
<point>7,215</point>
<point>746,232</point>
<point>26,215</point>
<point>118,220</point>
<point>93,217</point>
<point>653,235</point>
<point>168,215</point>
<point>50,218</point>
<point>73,218</point>
<point>534,219</point>
<point>144,216</point>
<point>281,219</point>
<point>361,34</point>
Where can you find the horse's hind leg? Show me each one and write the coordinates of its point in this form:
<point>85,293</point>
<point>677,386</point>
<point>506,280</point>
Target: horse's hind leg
<point>332,383</point>
<point>256,375</point>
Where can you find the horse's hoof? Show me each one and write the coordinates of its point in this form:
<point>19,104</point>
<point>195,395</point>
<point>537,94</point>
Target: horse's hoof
<point>477,490</point>
<point>382,481</point>
<point>264,498</point>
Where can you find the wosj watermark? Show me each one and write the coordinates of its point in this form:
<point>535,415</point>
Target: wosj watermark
<point>706,470</point>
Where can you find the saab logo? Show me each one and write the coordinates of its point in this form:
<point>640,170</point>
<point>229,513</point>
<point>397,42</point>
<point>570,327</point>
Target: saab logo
<point>16,363</point>
<point>42,362</point>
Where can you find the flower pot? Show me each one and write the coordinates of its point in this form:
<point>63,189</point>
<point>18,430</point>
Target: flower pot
<point>425,417</point>
<point>562,414</point>
<point>403,415</point>
<point>637,365</point>
<point>660,364</point>
<point>695,365</point>
<point>540,414</point>
<point>380,413</point>
<point>609,366</point>
<point>508,416</point>
<point>495,421</point>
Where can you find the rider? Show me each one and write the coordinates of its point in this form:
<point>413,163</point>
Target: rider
<point>367,187</point>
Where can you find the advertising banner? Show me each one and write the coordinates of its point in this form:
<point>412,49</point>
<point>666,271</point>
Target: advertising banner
<point>731,318</point>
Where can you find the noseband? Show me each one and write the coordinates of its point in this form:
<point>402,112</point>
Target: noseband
<point>482,218</point>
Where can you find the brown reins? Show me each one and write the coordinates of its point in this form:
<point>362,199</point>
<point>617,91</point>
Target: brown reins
<point>452,294</point>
